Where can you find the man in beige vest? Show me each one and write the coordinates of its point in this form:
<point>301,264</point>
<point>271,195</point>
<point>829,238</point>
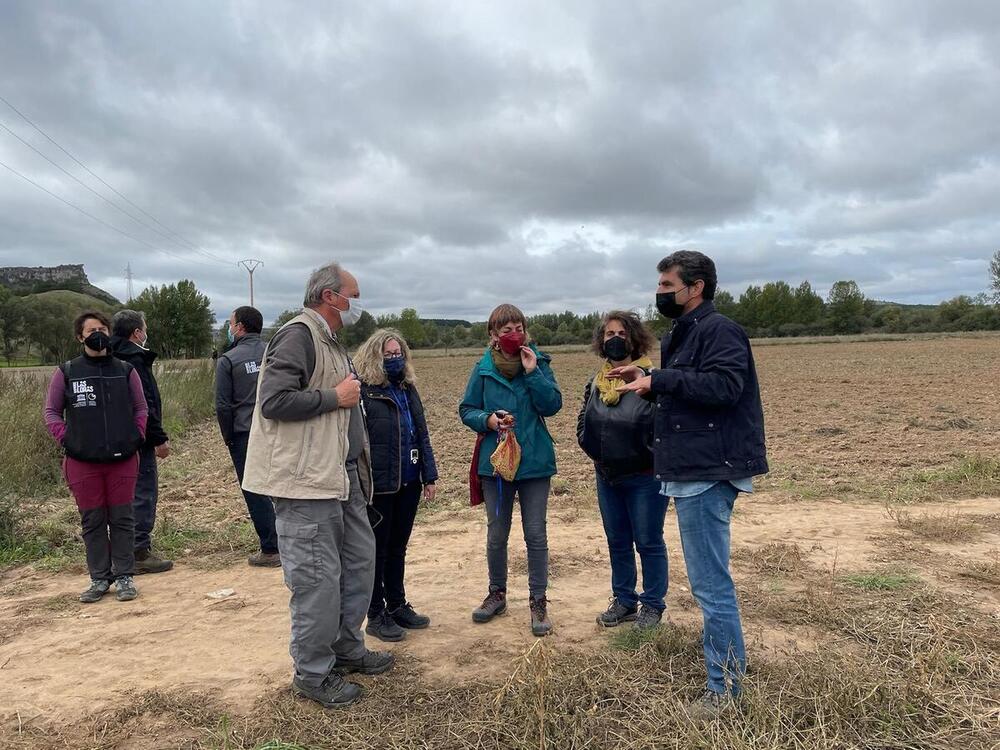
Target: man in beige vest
<point>308,450</point>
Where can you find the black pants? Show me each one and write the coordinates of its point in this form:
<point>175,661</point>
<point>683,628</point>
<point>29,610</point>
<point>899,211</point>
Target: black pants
<point>392,534</point>
<point>260,506</point>
<point>108,533</point>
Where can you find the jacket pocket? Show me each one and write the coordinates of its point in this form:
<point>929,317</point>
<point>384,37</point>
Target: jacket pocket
<point>299,558</point>
<point>307,441</point>
<point>694,440</point>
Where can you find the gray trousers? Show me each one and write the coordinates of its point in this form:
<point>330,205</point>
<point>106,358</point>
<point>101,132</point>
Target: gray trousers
<point>107,536</point>
<point>328,558</point>
<point>533,495</point>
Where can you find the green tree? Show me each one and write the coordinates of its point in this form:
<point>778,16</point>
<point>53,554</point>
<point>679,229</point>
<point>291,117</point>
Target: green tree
<point>776,305</point>
<point>846,307</point>
<point>411,328</point>
<point>725,303</point>
<point>807,304</point>
<point>179,319</point>
<point>995,277</point>
<point>748,308</point>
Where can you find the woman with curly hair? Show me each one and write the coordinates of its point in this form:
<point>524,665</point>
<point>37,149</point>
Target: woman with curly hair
<point>403,468</point>
<point>616,431</point>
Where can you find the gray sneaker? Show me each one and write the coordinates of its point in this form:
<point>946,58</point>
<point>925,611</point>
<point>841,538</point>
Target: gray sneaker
<point>616,614</point>
<point>97,590</point>
<point>648,618</point>
<point>384,628</point>
<point>494,604</point>
<point>126,589</point>
<point>709,706</point>
<point>335,692</point>
<point>373,662</point>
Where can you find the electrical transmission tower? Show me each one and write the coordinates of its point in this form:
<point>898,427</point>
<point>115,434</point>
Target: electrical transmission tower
<point>128,280</point>
<point>251,265</point>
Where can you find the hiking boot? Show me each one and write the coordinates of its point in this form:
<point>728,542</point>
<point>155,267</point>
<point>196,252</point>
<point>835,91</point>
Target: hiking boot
<point>406,617</point>
<point>384,628</point>
<point>616,614</point>
<point>540,624</point>
<point>494,604</point>
<point>648,618</point>
<point>373,662</point>
<point>335,692</point>
<point>265,560</point>
<point>97,590</point>
<point>147,562</point>
<point>126,590</point>
<point>709,706</point>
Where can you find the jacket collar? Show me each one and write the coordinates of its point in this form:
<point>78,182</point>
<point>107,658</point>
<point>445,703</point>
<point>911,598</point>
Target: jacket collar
<point>122,347</point>
<point>706,308</point>
<point>486,366</point>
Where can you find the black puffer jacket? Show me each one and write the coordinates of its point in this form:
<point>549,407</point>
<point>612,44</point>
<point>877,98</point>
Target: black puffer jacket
<point>383,420</point>
<point>619,438</point>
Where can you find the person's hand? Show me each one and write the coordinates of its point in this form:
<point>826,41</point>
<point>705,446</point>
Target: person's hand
<point>492,422</point>
<point>348,392</point>
<point>528,359</point>
<point>430,490</point>
<point>642,386</point>
<point>499,419</point>
<point>162,451</point>
<point>628,373</point>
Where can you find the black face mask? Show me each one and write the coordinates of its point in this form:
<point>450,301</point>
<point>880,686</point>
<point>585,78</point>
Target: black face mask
<point>98,341</point>
<point>666,303</point>
<point>615,349</point>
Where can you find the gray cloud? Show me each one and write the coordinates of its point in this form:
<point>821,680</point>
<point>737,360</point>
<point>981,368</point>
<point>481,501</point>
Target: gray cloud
<point>454,156</point>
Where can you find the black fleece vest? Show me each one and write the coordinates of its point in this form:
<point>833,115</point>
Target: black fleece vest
<point>100,423</point>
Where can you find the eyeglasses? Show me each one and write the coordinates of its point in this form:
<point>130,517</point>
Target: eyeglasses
<point>397,355</point>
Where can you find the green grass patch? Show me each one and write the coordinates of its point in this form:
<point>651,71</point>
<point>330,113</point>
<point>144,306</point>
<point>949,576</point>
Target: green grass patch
<point>971,476</point>
<point>628,638</point>
<point>881,581</point>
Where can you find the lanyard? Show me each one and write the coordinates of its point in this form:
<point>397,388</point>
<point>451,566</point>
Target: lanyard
<point>404,409</point>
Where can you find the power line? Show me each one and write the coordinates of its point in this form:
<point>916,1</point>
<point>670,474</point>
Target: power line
<point>102,221</point>
<point>250,264</point>
<point>88,187</point>
<point>97,177</point>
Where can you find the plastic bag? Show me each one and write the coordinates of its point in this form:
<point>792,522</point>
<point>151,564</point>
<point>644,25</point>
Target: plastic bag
<point>506,459</point>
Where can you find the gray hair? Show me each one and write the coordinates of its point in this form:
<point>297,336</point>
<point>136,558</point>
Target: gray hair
<point>125,322</point>
<point>323,278</point>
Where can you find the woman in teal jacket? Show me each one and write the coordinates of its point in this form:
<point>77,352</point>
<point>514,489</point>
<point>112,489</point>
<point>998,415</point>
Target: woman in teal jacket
<point>514,378</point>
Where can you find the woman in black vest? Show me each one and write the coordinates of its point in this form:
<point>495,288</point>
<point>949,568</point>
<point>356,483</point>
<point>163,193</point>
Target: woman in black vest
<point>403,468</point>
<point>96,411</point>
<point>616,431</point>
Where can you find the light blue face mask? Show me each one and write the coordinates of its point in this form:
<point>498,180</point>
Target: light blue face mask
<point>229,335</point>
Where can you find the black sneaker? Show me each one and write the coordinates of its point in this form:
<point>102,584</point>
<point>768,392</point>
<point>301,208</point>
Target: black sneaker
<point>616,614</point>
<point>384,628</point>
<point>494,604</point>
<point>265,560</point>
<point>147,562</point>
<point>648,618</point>
<point>406,617</point>
<point>96,591</point>
<point>540,624</point>
<point>126,589</point>
<point>373,662</point>
<point>335,692</point>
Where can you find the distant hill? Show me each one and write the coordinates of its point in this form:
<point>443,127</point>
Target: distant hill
<point>68,298</point>
<point>24,281</point>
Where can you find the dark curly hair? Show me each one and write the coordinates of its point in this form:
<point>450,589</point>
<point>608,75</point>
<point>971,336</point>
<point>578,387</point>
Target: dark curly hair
<point>640,340</point>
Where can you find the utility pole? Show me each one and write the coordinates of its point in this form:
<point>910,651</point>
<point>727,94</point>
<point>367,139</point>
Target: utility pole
<point>128,280</point>
<point>251,265</point>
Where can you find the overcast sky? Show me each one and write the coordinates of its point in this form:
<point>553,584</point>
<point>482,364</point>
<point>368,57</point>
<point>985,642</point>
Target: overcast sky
<point>455,155</point>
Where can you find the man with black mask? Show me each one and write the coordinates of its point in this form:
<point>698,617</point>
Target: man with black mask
<point>708,445</point>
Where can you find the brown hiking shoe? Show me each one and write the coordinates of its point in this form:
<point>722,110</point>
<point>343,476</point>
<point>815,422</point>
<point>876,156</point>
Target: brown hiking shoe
<point>265,560</point>
<point>147,562</point>
<point>540,624</point>
<point>494,604</point>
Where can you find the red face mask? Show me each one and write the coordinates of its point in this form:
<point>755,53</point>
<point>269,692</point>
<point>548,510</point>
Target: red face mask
<point>511,343</point>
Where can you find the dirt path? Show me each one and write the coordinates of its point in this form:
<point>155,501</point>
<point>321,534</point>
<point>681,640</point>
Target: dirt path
<point>60,660</point>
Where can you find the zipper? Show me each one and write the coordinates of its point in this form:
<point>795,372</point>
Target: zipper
<point>399,433</point>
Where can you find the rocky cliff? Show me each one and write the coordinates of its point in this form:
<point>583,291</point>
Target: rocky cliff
<point>23,280</point>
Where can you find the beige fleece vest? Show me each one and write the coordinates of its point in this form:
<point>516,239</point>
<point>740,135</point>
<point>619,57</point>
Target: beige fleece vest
<point>305,460</point>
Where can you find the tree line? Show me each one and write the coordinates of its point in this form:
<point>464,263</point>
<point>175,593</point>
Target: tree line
<point>38,327</point>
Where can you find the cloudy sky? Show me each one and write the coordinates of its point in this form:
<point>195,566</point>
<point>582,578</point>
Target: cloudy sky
<point>454,155</point>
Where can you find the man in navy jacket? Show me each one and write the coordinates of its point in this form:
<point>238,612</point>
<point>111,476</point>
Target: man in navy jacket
<point>708,445</point>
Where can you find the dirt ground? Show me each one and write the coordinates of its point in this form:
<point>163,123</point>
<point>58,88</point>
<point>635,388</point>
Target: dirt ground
<point>873,449</point>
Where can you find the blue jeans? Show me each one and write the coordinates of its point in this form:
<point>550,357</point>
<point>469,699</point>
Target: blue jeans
<point>704,525</point>
<point>147,490</point>
<point>633,510</point>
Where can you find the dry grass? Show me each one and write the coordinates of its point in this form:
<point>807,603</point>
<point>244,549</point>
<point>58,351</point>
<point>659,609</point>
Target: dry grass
<point>939,527</point>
